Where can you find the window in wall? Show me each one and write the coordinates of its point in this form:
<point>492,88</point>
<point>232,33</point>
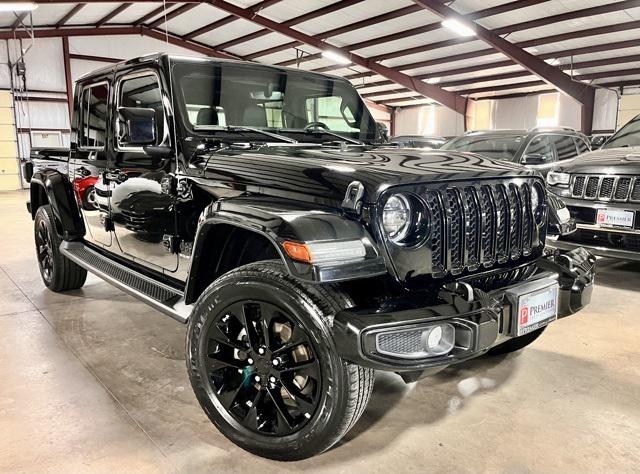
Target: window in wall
<point>429,128</point>
<point>94,116</point>
<point>565,147</point>
<point>547,110</point>
<point>144,92</point>
<point>481,119</point>
<point>541,145</point>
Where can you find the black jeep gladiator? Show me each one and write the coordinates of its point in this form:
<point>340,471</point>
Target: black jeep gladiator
<point>259,205</point>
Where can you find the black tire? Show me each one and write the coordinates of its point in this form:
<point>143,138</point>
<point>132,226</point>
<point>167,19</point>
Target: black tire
<point>342,390</point>
<point>57,271</point>
<point>517,343</point>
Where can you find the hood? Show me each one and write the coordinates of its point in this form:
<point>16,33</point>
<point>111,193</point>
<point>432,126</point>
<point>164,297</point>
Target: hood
<point>326,173</point>
<point>605,161</point>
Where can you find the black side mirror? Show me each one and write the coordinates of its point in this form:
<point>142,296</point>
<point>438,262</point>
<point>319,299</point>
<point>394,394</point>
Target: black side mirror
<point>534,159</point>
<point>138,126</point>
<point>383,131</point>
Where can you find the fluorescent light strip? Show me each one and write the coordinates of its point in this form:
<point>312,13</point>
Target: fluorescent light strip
<point>458,27</point>
<point>18,7</point>
<point>336,57</point>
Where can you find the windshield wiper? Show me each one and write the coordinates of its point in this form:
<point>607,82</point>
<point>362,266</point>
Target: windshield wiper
<point>323,131</point>
<point>242,128</point>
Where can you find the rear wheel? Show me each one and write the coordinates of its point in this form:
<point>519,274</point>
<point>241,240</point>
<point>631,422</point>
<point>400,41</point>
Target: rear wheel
<point>57,271</point>
<point>263,364</point>
<point>517,343</point>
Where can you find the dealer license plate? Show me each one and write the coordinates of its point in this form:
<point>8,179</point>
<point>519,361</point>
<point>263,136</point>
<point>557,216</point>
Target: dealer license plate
<point>615,218</point>
<point>536,309</point>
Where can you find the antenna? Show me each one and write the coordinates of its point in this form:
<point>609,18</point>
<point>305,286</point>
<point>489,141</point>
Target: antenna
<point>171,105</point>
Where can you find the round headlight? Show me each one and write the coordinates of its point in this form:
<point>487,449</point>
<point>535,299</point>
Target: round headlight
<point>396,217</point>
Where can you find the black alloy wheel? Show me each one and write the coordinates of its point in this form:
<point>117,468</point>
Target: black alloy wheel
<point>44,249</point>
<point>57,271</point>
<point>263,363</point>
<point>262,368</point>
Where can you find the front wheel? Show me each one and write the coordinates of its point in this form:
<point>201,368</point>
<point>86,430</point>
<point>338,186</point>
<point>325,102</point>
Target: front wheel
<point>264,367</point>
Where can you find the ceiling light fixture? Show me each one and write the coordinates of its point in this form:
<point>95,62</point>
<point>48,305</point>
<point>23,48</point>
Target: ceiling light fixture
<point>458,27</point>
<point>18,6</point>
<point>336,57</point>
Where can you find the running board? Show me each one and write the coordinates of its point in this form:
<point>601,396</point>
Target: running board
<point>162,297</point>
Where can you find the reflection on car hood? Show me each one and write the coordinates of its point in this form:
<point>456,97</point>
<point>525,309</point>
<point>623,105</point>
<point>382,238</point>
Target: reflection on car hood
<point>327,172</point>
<point>606,161</point>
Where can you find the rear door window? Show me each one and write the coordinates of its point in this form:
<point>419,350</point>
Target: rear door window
<point>565,147</point>
<point>93,127</point>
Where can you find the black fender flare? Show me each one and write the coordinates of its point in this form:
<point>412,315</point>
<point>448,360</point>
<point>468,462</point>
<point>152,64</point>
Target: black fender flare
<point>54,188</point>
<point>279,221</point>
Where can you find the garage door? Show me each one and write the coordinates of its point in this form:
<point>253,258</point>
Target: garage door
<point>9,168</point>
<point>628,108</point>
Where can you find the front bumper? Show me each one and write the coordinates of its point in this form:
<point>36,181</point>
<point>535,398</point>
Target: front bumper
<point>481,320</point>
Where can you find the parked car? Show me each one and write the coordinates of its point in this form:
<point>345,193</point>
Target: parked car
<point>541,148</point>
<point>302,251</point>
<point>602,192</point>
<point>418,141</point>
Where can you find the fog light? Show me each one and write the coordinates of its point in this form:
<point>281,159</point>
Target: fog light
<point>417,343</point>
<point>440,339</point>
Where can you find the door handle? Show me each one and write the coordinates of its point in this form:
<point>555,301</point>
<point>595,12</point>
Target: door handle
<point>113,176</point>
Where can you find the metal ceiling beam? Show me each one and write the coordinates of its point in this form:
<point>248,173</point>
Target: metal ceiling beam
<point>487,12</point>
<point>70,14</point>
<point>124,30</point>
<point>526,25</point>
<point>551,75</point>
<point>554,55</point>
<point>526,44</point>
<point>343,29</point>
<point>113,13</point>
<point>446,98</point>
<point>634,58</point>
<point>152,14</point>
<point>228,19</point>
<point>19,18</point>
<point>339,5</point>
<point>176,12</point>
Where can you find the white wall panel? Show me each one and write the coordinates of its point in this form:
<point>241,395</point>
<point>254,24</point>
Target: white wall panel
<point>605,110</point>
<point>51,115</point>
<point>44,61</point>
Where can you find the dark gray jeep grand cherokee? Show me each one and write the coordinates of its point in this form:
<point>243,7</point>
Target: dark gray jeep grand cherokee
<point>258,205</point>
<point>602,192</point>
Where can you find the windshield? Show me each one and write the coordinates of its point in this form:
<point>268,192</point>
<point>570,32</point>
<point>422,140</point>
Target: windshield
<point>215,97</point>
<point>498,148</point>
<point>629,135</point>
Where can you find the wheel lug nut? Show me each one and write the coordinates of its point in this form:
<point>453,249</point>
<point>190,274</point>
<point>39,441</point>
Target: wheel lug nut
<point>261,351</point>
<point>272,379</point>
<point>257,378</point>
<point>250,361</point>
<point>275,362</point>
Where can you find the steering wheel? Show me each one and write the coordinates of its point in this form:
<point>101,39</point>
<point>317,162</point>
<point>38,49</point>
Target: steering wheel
<point>315,125</point>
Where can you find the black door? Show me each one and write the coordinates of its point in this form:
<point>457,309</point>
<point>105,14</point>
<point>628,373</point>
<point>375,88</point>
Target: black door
<point>143,215</point>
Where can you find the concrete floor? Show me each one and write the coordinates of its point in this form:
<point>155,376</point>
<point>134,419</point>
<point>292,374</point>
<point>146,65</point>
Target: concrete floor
<point>94,381</point>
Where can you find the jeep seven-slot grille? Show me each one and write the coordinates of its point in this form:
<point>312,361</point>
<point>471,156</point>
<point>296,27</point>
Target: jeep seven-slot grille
<point>480,225</point>
<point>606,188</point>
